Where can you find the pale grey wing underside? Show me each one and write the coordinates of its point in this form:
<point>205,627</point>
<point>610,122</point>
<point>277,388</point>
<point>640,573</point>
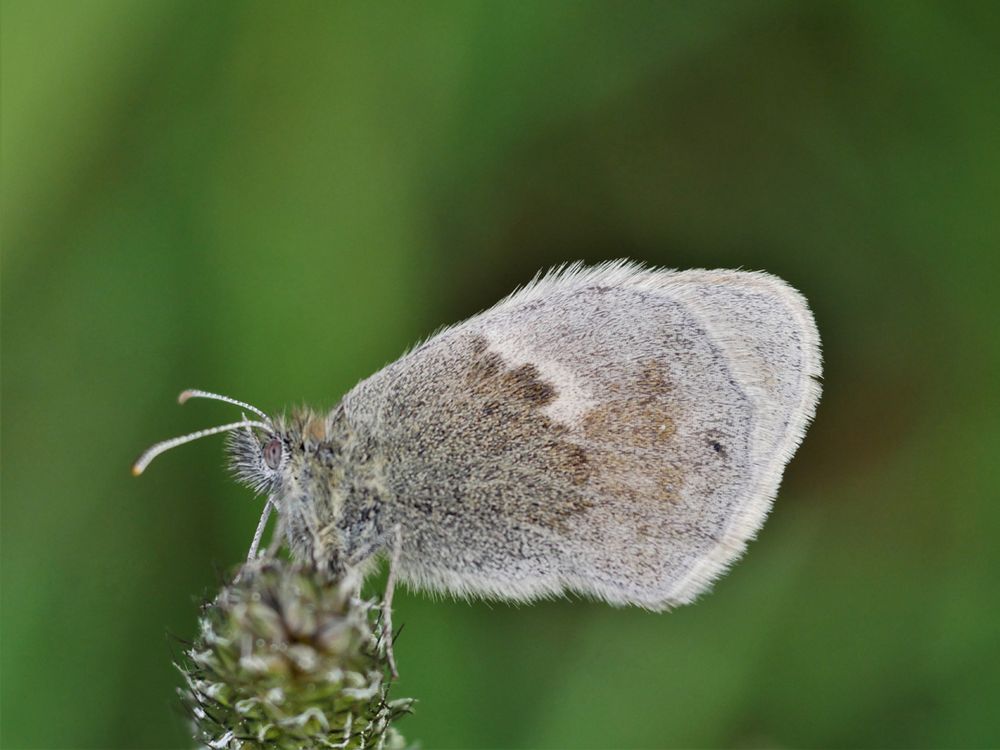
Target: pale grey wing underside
<point>614,431</point>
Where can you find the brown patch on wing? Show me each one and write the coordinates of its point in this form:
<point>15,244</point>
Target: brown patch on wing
<point>630,423</point>
<point>630,434</point>
<point>484,364</point>
<point>488,372</point>
<point>511,401</point>
<point>623,443</point>
<point>572,460</point>
<point>524,383</point>
<point>638,418</point>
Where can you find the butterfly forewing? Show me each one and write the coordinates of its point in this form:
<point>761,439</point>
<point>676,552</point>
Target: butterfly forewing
<point>612,431</point>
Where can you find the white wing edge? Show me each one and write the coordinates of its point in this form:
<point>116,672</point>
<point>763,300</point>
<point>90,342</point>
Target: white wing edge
<point>747,522</point>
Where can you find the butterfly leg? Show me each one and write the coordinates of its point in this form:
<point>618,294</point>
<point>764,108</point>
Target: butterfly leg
<point>390,585</point>
<point>259,533</point>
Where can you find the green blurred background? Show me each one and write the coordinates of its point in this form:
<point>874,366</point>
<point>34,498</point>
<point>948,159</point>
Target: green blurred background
<point>274,200</point>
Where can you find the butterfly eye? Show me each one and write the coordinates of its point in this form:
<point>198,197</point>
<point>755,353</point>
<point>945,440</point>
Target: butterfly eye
<point>272,453</point>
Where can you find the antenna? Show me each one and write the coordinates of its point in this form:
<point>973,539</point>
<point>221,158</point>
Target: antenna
<point>144,460</point>
<point>195,393</point>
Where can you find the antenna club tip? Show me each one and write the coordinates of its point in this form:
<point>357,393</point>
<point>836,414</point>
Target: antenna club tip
<point>185,395</point>
<point>136,470</point>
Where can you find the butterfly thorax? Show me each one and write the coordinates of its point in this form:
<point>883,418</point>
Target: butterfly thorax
<point>327,486</point>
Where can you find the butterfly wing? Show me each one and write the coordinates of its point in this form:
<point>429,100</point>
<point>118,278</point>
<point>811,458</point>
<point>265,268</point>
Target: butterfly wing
<point>615,431</point>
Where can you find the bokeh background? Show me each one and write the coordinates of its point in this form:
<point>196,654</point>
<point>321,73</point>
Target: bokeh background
<point>274,200</point>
